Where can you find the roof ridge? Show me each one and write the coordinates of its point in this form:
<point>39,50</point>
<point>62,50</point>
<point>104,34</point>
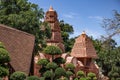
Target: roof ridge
<point>7,27</point>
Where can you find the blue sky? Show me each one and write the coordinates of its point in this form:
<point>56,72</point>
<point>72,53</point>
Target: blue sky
<point>83,15</point>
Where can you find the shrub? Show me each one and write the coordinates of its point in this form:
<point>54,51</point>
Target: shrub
<point>64,78</point>
<point>18,76</point>
<point>118,79</point>
<point>52,50</point>
<point>92,75</point>
<point>59,60</point>
<point>4,56</point>
<point>43,62</point>
<point>33,78</point>
<point>60,72</point>
<point>3,72</point>
<point>51,65</point>
<point>81,74</point>
<point>42,70</point>
<point>1,78</point>
<point>70,66</point>
<point>76,79</point>
<point>42,78</point>
<point>69,73</point>
<point>82,78</point>
<point>47,74</point>
<point>95,78</point>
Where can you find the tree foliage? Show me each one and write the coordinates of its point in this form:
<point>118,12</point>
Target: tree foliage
<point>3,72</point>
<point>80,74</point>
<point>18,76</point>
<point>69,66</point>
<point>60,72</point>
<point>33,78</point>
<point>43,62</point>
<point>66,31</point>
<point>52,50</point>
<point>69,73</point>
<point>47,74</point>
<point>25,16</point>
<point>109,57</point>
<point>59,60</point>
<point>51,65</point>
<point>4,58</point>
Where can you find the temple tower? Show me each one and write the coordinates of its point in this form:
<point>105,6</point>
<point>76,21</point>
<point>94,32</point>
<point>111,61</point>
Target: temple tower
<point>56,39</point>
<point>84,51</point>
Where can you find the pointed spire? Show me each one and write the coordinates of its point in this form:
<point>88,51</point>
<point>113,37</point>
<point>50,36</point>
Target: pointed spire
<point>51,8</point>
<point>83,32</point>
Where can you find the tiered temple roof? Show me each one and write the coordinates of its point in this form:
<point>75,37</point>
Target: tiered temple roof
<point>56,39</point>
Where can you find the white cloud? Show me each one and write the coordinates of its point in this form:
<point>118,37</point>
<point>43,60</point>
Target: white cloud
<point>70,15</point>
<point>96,17</point>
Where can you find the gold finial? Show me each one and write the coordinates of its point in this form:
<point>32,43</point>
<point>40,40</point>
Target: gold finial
<point>83,32</point>
<point>51,8</point>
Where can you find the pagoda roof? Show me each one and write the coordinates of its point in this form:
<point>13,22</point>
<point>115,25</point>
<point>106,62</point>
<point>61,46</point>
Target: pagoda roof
<point>83,47</point>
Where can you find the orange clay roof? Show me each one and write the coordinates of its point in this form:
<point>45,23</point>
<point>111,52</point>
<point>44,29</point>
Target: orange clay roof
<point>83,47</point>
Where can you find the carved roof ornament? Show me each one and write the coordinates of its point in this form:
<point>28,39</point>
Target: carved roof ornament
<point>83,32</point>
<point>51,8</point>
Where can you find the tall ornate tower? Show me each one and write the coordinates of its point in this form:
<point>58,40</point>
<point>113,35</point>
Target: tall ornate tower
<point>56,39</point>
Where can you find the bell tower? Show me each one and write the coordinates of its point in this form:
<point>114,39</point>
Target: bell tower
<point>56,39</point>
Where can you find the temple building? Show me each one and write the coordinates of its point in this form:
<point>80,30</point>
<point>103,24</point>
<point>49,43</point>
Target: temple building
<point>83,51</point>
<point>20,45</point>
<point>56,39</point>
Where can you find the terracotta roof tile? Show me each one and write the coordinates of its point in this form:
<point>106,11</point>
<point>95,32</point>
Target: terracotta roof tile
<point>20,46</point>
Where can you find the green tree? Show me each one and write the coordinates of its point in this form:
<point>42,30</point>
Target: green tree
<point>51,65</point>
<point>52,50</point>
<point>25,16</point>
<point>109,57</point>
<point>60,72</point>
<point>69,73</point>
<point>69,66</point>
<point>18,76</point>
<point>48,74</point>
<point>33,78</point>
<point>4,58</point>
<point>42,78</point>
<point>80,74</point>
<point>66,31</point>
<point>43,62</point>
<point>3,72</point>
<point>91,76</point>
<point>59,60</point>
